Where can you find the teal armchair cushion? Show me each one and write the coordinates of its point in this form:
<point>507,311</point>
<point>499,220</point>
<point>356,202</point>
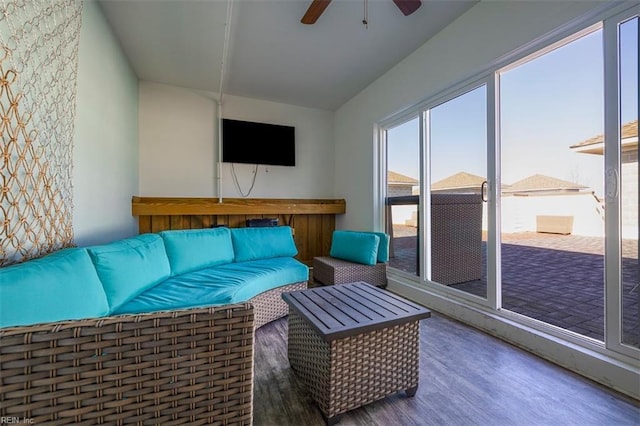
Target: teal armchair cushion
<point>383,247</point>
<point>61,286</point>
<point>263,243</point>
<point>192,249</point>
<point>128,267</point>
<point>358,247</point>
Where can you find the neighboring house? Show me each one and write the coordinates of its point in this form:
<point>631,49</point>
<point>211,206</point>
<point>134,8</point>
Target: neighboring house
<point>629,173</point>
<point>399,184</point>
<point>537,195</point>
<point>461,182</point>
<point>524,202</point>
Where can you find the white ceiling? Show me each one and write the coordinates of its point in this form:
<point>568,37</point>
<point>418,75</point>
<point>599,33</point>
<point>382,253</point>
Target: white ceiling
<point>271,55</point>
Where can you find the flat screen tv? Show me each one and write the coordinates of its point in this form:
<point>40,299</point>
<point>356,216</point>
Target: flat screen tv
<point>258,143</point>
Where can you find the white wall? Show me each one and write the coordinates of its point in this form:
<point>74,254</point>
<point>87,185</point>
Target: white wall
<point>480,37</point>
<point>176,150</point>
<point>105,156</point>
<point>178,146</point>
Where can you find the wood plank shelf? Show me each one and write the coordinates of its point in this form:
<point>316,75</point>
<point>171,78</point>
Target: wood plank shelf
<point>313,220</point>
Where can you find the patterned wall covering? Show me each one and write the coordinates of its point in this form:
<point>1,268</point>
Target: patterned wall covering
<point>38,70</point>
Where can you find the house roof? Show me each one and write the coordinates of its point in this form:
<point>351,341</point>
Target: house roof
<point>394,178</point>
<point>459,180</point>
<point>595,145</point>
<point>540,182</point>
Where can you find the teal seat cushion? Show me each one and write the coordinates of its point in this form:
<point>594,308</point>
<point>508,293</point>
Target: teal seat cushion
<point>128,267</point>
<point>218,285</point>
<point>192,249</point>
<point>61,286</point>
<point>358,247</point>
<point>265,274</point>
<point>263,243</point>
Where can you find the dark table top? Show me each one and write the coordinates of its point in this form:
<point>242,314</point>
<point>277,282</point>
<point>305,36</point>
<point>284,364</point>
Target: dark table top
<point>345,310</point>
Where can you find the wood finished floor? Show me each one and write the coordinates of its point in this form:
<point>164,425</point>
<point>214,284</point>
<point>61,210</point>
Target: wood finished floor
<point>466,378</point>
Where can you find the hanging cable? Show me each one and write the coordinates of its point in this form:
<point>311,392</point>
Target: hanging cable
<point>365,20</point>
<point>223,64</point>
<point>225,46</point>
<point>237,183</point>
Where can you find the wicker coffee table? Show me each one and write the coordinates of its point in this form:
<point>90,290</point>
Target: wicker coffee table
<point>353,344</point>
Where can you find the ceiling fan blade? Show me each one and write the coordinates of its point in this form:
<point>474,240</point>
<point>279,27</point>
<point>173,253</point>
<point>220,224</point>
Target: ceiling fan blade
<point>407,7</point>
<point>315,10</point>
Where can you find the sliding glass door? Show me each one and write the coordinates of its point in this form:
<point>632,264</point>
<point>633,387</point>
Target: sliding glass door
<point>552,201</point>
<point>457,172</point>
<point>518,190</point>
<point>622,184</point>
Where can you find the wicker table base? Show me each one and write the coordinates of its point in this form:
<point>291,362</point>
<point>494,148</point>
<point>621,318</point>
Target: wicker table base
<point>373,360</point>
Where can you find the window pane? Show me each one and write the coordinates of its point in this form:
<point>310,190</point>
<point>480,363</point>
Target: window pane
<point>458,169</point>
<point>552,207</point>
<point>403,191</point>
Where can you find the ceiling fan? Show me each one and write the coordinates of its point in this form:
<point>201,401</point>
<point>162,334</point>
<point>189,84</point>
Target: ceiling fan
<point>407,7</point>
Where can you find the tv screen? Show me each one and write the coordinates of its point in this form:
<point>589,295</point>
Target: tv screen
<point>258,143</point>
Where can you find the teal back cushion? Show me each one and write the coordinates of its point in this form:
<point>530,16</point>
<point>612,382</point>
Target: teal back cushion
<point>263,243</point>
<point>192,249</point>
<point>128,267</point>
<point>61,286</point>
<point>358,247</point>
<point>383,248</point>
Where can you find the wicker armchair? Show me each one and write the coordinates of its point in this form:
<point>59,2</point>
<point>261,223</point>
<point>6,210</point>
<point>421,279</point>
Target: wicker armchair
<point>181,367</point>
<point>331,270</point>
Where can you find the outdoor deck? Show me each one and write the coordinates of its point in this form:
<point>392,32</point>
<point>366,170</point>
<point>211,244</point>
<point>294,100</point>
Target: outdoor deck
<point>557,279</point>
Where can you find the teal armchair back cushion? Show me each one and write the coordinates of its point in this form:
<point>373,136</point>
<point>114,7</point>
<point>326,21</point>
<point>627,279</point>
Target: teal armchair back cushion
<point>358,247</point>
<point>61,286</point>
<point>383,247</point>
<point>263,243</point>
<point>192,249</point>
<point>128,267</point>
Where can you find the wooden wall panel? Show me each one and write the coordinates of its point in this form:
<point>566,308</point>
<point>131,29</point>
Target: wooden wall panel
<point>313,221</point>
<point>328,226</point>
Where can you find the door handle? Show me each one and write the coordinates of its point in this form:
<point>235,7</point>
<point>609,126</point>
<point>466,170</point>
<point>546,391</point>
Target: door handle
<point>611,184</point>
<point>484,193</point>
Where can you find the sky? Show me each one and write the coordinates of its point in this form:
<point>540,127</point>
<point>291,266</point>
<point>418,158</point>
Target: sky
<point>547,105</point>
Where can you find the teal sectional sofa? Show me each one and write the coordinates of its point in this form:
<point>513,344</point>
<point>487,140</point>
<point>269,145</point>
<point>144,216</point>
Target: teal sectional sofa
<point>147,327</point>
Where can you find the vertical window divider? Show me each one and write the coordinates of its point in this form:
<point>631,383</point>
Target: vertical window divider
<point>424,239</point>
<point>494,282</point>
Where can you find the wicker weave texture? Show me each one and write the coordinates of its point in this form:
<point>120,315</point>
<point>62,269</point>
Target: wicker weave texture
<point>456,238</point>
<point>329,270</point>
<point>183,367</point>
<point>269,306</point>
<point>347,373</point>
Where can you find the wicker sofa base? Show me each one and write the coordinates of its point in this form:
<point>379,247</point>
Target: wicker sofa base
<point>269,306</point>
<point>329,270</point>
<point>347,373</point>
<point>181,367</point>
